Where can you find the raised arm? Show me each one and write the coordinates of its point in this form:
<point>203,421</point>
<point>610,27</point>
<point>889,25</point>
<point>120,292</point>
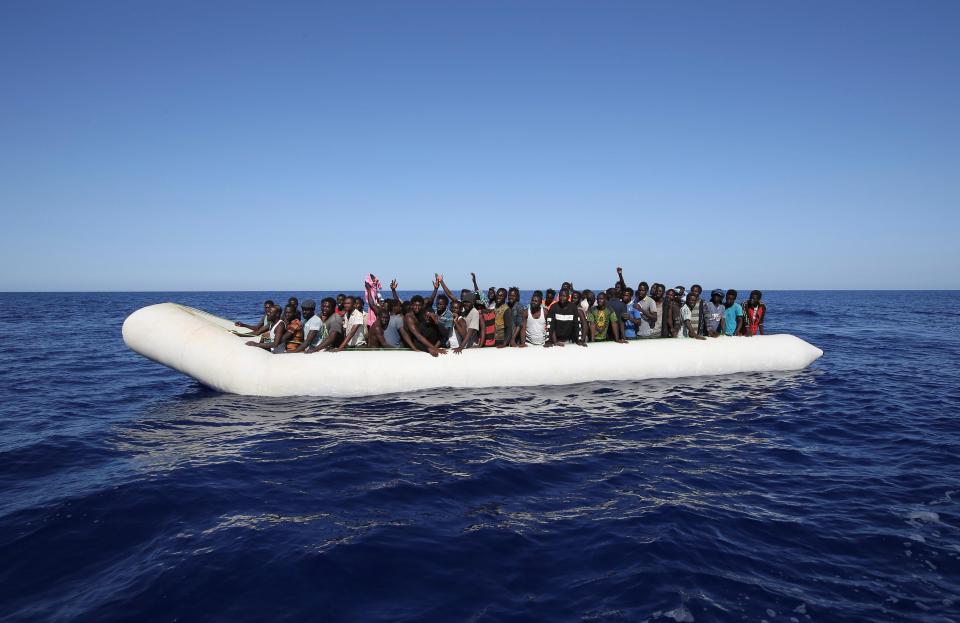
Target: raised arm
<point>623,284</point>
<point>443,284</point>
<point>428,302</point>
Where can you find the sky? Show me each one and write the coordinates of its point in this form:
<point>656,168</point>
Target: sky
<point>214,145</point>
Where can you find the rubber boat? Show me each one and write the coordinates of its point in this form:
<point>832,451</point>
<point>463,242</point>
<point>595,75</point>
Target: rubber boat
<point>205,347</point>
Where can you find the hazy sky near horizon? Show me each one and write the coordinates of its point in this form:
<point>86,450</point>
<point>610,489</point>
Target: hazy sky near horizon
<point>298,145</point>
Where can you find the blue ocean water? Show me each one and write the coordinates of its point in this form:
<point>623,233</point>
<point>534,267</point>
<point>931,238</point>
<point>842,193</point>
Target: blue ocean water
<point>130,493</point>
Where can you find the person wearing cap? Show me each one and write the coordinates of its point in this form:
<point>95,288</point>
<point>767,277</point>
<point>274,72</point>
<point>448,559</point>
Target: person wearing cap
<point>471,320</point>
<point>713,312</point>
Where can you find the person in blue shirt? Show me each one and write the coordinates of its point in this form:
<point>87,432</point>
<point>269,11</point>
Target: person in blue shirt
<point>732,323</point>
<point>632,317</point>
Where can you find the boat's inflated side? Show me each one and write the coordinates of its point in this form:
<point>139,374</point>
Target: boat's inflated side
<point>203,346</point>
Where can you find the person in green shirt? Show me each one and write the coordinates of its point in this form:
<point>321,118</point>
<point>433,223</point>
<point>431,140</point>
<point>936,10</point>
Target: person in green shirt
<point>602,323</point>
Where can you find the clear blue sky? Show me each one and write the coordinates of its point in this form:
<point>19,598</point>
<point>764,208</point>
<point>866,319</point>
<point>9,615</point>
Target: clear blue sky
<point>296,146</point>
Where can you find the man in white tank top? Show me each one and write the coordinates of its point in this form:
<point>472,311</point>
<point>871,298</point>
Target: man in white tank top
<point>534,330</point>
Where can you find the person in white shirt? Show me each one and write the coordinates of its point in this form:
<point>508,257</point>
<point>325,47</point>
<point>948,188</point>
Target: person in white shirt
<point>534,330</point>
<point>354,325</point>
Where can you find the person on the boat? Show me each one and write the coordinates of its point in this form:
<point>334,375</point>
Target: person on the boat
<point>471,321</point>
<point>264,324</point>
<point>312,328</point>
<point>699,314</point>
<point>488,317</point>
<point>563,322</point>
<point>458,330</point>
<point>671,314</point>
<point>533,331</point>
<point>392,332</point>
<point>421,329</point>
<point>632,319</point>
<point>690,318</point>
<point>754,312</point>
<point>295,303</point>
<point>618,308</point>
<point>647,306</point>
<point>332,327</point>
<point>445,315</point>
<point>354,326</point>
<point>575,299</point>
<point>341,298</point>
<point>503,319</point>
<point>599,320</point>
<point>293,336</point>
<point>376,332</point>
<point>549,299</point>
<point>274,336</point>
<point>713,313</point>
<point>517,313</point>
<point>587,300</point>
<point>733,315</point>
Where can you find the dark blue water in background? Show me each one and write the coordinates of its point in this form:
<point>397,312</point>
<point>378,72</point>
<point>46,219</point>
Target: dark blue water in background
<point>129,492</point>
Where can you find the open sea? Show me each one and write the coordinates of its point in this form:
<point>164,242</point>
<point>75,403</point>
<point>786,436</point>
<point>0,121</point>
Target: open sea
<point>130,493</point>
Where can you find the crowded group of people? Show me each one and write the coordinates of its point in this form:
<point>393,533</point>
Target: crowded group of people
<point>496,318</point>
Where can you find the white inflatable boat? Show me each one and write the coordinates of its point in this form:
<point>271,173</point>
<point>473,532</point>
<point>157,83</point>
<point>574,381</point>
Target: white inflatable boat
<point>204,347</point>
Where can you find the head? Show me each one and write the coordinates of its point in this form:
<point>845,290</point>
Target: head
<point>416,304</point>
<point>491,294</point>
<point>358,303</point>
<point>671,295</point>
<point>383,320</point>
<point>347,304</point>
<point>657,292</point>
<point>716,297</point>
<point>551,294</point>
<point>456,308</point>
<point>628,291</point>
<point>627,297</point>
<point>590,297</point>
<point>731,298</point>
<point>340,299</point>
<point>513,296</point>
<point>575,296</point>
<point>617,289</point>
<point>467,303</point>
<point>680,290</point>
<point>536,300</point>
<point>442,303</point>
<point>566,285</point>
<point>564,296</point>
<point>602,300</point>
<point>267,304</point>
<point>293,302</point>
<point>327,306</point>
<point>464,293</point>
<point>755,297</point>
<point>395,306</point>
<point>309,308</point>
<point>696,290</point>
<point>273,314</point>
<point>289,313</point>
<point>691,300</point>
<point>501,296</point>
<point>643,289</point>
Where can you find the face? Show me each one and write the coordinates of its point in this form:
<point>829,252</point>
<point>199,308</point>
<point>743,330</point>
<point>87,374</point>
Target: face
<point>550,296</point>
<point>671,295</point>
<point>491,294</point>
<point>266,307</point>
<point>308,312</point>
<point>416,307</point>
<point>696,291</point>
<point>455,308</point>
<point>441,305</point>
<point>384,320</point>
<point>467,306</point>
<point>642,291</point>
<point>535,301</point>
<point>273,313</point>
<point>715,299</point>
<point>602,300</point>
<point>513,296</point>
<point>625,299</point>
<point>575,297</point>
<point>501,296</point>
<point>691,300</point>
<point>293,301</point>
<point>348,304</point>
<point>340,299</point>
<point>564,297</point>
<point>289,313</point>
<point>617,289</point>
<point>326,308</point>
<point>731,299</point>
<point>754,298</point>
<point>591,298</point>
